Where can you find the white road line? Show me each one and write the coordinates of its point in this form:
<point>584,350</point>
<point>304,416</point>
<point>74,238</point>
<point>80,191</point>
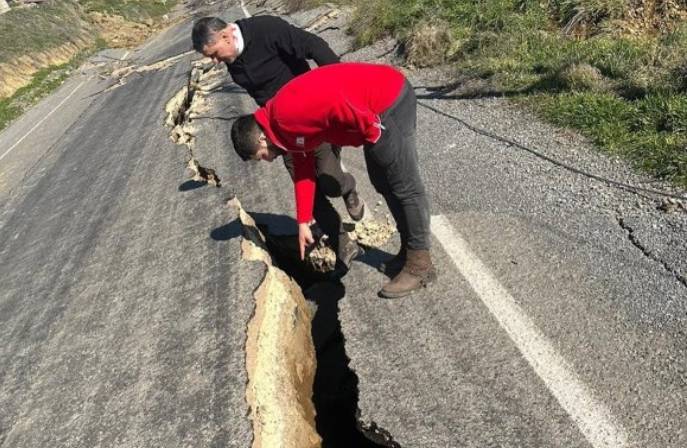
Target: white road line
<point>245,11</point>
<point>44,118</point>
<point>591,416</point>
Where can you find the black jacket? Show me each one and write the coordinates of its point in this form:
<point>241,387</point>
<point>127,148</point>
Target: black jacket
<point>274,52</point>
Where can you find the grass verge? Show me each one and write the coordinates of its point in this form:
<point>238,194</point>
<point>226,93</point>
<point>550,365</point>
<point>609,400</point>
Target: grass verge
<point>616,70</point>
<point>26,31</point>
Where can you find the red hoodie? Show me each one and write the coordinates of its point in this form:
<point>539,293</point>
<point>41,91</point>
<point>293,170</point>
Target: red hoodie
<point>338,104</point>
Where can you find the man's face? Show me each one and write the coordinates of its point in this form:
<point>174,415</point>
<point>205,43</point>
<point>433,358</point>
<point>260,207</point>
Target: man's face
<point>267,151</point>
<point>223,47</point>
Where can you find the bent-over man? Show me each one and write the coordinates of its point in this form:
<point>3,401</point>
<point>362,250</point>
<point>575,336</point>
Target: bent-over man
<point>262,54</point>
<point>350,104</point>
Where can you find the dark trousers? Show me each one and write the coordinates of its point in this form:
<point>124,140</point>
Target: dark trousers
<point>332,182</point>
<point>392,165</point>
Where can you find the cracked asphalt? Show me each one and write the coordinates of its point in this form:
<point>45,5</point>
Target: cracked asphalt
<point>124,301</point>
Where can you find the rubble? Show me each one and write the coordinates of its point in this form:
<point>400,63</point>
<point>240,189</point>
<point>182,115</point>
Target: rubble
<point>371,233</point>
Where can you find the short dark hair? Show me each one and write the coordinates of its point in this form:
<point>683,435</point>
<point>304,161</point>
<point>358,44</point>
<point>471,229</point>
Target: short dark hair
<point>204,31</point>
<point>245,133</point>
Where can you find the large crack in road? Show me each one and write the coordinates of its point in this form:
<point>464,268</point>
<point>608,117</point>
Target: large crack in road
<point>333,390</point>
<point>280,356</point>
<point>301,390</point>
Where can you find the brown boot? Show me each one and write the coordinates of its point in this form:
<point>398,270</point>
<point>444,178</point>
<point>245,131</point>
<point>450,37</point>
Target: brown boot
<point>418,272</point>
<point>393,266</point>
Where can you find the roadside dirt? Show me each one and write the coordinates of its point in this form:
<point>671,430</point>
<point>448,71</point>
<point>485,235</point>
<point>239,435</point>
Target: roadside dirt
<point>116,31</point>
<point>18,73</point>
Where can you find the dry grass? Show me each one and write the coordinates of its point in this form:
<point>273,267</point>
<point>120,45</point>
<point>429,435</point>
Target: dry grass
<point>430,43</point>
<point>585,18</point>
<point>580,77</point>
<point>119,32</point>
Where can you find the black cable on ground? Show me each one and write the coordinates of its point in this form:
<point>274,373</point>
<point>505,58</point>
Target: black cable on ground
<point>558,163</point>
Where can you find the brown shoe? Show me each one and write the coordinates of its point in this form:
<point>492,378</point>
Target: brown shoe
<point>417,273</point>
<point>393,266</point>
<point>354,205</point>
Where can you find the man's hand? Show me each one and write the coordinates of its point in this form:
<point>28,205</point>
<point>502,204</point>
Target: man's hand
<point>304,237</point>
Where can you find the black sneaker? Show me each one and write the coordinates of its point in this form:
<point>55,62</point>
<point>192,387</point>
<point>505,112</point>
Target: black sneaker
<point>354,205</point>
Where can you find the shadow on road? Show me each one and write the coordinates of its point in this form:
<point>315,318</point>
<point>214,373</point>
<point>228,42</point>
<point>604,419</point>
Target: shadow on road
<point>191,185</point>
<point>227,231</point>
<point>374,257</point>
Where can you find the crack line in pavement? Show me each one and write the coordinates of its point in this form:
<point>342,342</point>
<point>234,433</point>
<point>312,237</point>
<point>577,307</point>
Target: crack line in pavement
<point>187,103</point>
<point>122,74</point>
<point>648,253</point>
<point>558,163</point>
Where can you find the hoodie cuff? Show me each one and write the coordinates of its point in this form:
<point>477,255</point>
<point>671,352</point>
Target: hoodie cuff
<point>374,132</point>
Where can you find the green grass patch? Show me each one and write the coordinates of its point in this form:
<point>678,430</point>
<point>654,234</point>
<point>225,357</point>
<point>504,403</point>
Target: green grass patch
<point>651,132</point>
<point>24,31</point>
<point>609,68</point>
<point>44,82</point>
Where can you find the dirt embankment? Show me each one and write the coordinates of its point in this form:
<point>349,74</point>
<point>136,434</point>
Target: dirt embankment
<point>36,38</point>
<point>18,72</point>
<point>78,31</point>
<point>121,33</point>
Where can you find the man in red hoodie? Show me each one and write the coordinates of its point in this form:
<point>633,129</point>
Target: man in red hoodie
<point>350,104</point>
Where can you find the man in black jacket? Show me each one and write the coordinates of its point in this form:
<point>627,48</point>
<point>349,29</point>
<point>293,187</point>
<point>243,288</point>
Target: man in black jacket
<point>262,54</point>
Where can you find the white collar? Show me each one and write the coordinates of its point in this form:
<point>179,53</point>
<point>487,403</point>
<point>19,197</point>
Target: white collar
<point>239,38</point>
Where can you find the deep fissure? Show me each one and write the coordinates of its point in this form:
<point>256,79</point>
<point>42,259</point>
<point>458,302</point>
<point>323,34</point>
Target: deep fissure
<point>335,389</point>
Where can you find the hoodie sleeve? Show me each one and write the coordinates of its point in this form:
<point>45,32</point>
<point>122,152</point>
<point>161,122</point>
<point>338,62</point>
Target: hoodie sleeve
<point>304,185</point>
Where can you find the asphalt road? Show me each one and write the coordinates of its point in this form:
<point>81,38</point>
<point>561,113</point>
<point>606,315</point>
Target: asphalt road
<point>558,320</point>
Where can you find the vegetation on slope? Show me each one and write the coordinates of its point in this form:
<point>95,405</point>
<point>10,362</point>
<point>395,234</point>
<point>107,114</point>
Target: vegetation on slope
<point>614,69</point>
<point>41,45</point>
